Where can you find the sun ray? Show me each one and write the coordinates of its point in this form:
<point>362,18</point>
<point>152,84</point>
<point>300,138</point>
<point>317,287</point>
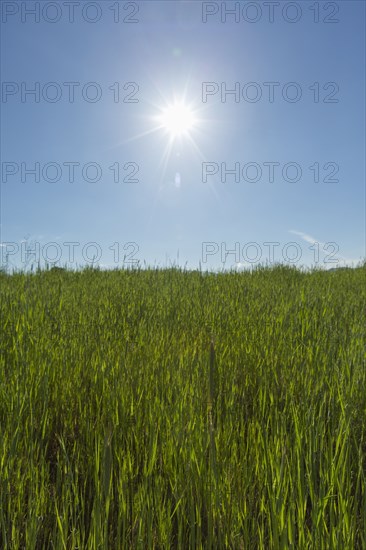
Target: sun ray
<point>181,121</point>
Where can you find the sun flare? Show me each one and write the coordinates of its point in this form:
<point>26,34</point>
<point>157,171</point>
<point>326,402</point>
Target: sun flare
<point>177,119</point>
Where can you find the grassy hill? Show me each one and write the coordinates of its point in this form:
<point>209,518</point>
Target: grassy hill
<point>173,409</point>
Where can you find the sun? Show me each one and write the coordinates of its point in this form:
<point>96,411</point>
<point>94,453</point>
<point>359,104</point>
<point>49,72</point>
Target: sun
<point>177,119</point>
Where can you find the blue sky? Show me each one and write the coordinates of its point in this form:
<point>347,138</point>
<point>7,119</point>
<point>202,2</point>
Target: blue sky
<point>166,56</point>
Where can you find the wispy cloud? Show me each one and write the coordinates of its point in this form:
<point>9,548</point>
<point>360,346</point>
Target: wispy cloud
<point>342,261</point>
<point>307,238</point>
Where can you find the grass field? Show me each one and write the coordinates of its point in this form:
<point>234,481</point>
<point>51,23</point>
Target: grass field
<point>172,409</point>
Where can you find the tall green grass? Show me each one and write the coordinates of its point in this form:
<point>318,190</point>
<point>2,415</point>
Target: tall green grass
<point>173,409</point>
